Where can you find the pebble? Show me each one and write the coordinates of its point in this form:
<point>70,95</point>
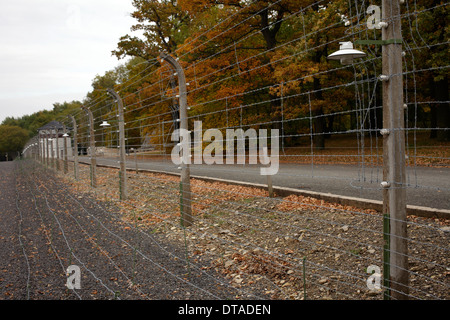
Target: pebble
<point>374,292</point>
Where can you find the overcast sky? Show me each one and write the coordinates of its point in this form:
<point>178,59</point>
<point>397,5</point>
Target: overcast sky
<point>51,50</point>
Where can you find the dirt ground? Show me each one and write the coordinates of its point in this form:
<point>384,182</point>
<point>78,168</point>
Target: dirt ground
<point>282,248</point>
<point>45,228</point>
<point>242,245</point>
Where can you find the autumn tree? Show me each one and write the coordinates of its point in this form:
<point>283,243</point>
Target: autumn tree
<point>427,35</point>
<point>267,17</point>
<point>247,44</point>
<point>162,23</point>
<point>264,64</point>
<point>302,70</point>
<point>12,139</point>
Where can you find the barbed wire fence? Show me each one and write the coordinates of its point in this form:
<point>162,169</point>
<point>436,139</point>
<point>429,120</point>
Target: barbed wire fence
<point>240,234</point>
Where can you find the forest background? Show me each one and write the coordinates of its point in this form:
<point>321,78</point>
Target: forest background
<point>263,55</point>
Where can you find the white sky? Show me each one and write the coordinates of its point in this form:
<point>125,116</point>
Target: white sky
<point>51,50</point>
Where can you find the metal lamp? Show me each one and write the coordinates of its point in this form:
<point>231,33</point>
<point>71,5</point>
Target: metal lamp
<point>346,53</point>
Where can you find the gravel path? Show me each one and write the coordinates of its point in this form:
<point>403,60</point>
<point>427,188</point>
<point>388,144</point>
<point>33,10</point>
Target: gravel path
<point>44,229</point>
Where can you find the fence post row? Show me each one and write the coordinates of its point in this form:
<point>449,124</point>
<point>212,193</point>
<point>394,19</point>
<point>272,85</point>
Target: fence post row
<point>75,146</point>
<point>46,149</point>
<point>92,147</point>
<point>395,254</point>
<point>394,167</point>
<point>58,165</point>
<point>40,147</point>
<point>66,156</point>
<point>52,140</point>
<point>185,183</point>
<point>123,168</point>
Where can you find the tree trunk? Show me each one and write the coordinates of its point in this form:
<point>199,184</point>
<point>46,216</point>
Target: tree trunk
<point>319,126</point>
<point>319,119</point>
<point>330,125</point>
<point>433,122</point>
<point>442,110</point>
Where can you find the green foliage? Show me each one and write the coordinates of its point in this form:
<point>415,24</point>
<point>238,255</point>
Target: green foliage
<point>31,123</point>
<point>271,58</point>
<point>12,139</point>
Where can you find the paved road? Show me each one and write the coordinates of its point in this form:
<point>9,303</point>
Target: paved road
<point>428,187</point>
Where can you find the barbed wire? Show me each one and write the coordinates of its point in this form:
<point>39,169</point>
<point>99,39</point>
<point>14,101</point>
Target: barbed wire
<point>314,102</point>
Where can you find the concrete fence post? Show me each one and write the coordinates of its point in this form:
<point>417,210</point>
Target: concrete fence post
<point>75,146</point>
<point>92,147</point>
<point>185,183</point>
<point>66,156</point>
<point>123,164</point>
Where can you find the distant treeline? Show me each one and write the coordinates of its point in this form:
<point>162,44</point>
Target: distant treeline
<point>16,132</point>
<point>267,68</point>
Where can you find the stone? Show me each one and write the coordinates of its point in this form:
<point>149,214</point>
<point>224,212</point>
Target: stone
<point>374,292</point>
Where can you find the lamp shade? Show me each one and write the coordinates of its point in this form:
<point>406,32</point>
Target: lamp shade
<point>346,53</point>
